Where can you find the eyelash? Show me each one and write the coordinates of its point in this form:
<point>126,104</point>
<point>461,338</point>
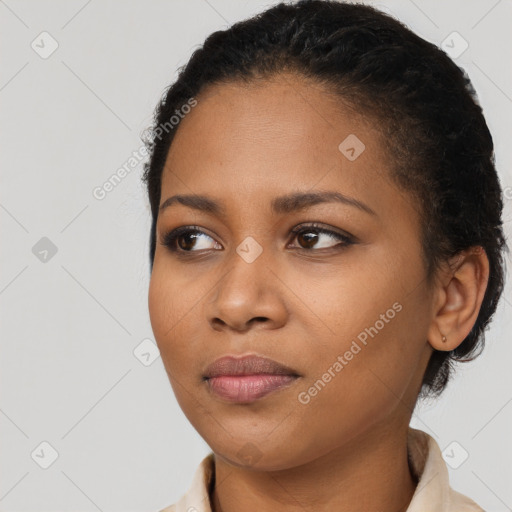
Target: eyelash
<point>170,238</point>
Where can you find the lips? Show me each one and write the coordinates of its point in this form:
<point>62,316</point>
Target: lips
<point>246,365</point>
<point>248,378</point>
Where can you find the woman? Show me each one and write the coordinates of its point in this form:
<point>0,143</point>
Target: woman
<point>326,242</point>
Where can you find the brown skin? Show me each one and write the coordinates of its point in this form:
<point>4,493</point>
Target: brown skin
<point>346,449</point>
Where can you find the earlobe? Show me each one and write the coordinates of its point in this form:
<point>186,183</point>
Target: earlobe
<point>459,298</point>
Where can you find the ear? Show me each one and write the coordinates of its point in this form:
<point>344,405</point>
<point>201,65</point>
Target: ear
<point>459,295</point>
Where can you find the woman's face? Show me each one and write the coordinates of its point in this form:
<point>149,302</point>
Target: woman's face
<point>350,318</point>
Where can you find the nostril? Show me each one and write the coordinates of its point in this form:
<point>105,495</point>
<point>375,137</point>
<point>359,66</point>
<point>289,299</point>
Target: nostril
<point>259,319</point>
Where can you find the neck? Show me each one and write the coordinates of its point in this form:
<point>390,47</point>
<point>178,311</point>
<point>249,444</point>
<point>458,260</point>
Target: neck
<point>371,472</point>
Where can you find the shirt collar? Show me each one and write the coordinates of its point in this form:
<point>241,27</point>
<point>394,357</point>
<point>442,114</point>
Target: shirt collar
<point>433,491</point>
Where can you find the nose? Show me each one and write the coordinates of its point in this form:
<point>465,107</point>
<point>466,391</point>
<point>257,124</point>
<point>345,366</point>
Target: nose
<point>247,295</point>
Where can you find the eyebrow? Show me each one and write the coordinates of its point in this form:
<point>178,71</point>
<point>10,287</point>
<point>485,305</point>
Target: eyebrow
<point>279,205</point>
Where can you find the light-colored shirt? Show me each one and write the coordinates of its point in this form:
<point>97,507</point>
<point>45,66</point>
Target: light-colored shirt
<point>433,492</point>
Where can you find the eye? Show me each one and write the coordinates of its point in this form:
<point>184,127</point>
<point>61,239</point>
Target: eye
<point>310,235</point>
<point>186,238</point>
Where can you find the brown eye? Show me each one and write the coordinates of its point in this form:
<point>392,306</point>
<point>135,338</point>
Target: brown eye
<point>187,239</point>
<point>308,237</point>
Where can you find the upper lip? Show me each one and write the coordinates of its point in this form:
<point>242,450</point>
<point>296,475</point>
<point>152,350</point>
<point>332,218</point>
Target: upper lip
<point>246,365</point>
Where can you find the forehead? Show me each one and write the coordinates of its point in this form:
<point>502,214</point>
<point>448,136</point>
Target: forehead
<point>250,141</point>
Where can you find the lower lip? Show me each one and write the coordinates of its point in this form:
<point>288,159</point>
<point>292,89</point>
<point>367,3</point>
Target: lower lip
<point>247,388</point>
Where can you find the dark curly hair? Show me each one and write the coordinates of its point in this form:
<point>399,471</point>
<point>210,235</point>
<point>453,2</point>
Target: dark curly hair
<point>423,103</point>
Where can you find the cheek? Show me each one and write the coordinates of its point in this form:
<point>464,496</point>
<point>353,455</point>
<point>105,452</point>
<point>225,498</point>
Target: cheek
<point>160,306</point>
<point>169,300</point>
<point>373,336</point>
<point>361,379</point>
<point>166,308</point>
<point>173,307</point>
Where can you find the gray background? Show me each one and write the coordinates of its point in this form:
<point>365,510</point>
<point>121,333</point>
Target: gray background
<point>72,320</point>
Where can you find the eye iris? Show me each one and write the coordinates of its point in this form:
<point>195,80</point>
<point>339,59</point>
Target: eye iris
<point>190,237</point>
<point>309,237</point>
